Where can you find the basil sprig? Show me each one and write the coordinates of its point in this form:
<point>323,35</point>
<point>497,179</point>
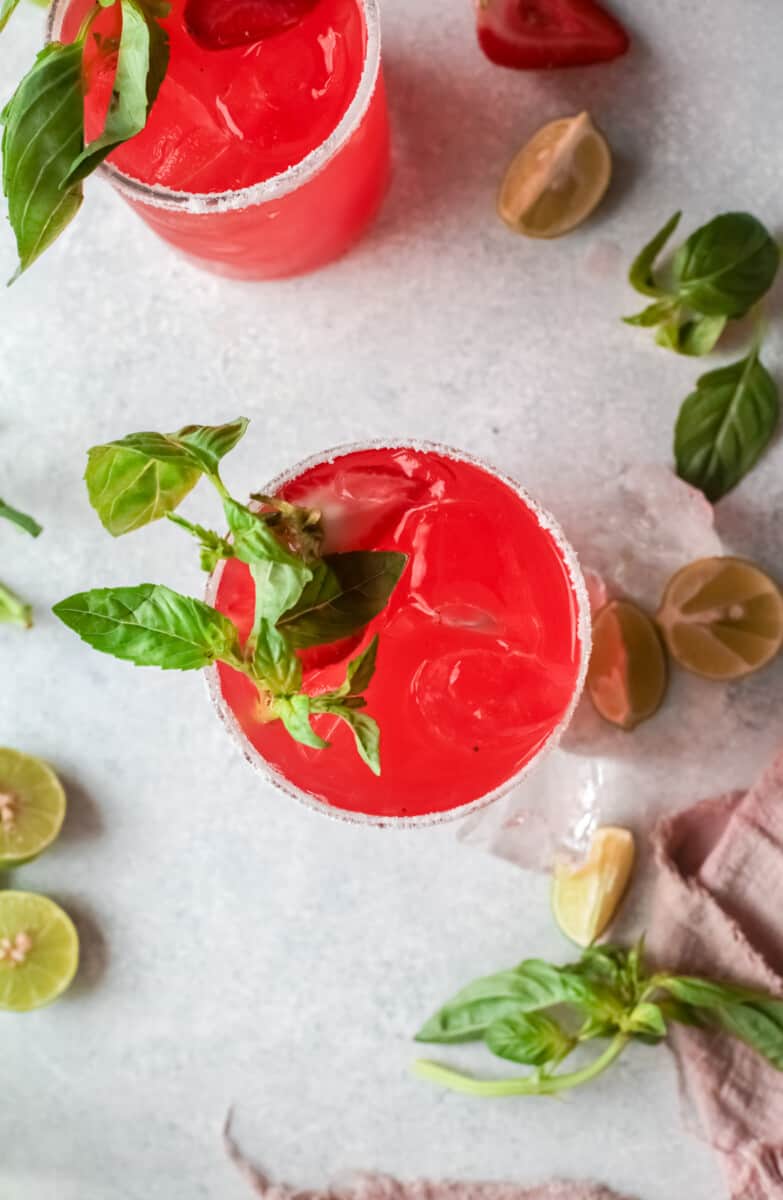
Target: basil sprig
<point>43,147</point>
<point>301,599</point>
<point>721,271</point>
<point>537,1014</point>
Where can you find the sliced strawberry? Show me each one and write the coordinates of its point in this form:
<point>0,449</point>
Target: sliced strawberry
<point>219,24</point>
<point>548,33</point>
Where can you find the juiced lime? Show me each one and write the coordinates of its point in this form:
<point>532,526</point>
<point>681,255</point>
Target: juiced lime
<point>32,807</point>
<point>39,951</point>
<point>627,677</point>
<point>585,898</point>
<point>722,618</point>
<point>556,179</point>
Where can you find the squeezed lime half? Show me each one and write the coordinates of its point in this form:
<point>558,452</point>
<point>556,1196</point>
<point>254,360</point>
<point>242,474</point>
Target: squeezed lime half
<point>585,898</point>
<point>32,807</point>
<point>39,951</point>
<point>722,617</point>
<point>627,677</point>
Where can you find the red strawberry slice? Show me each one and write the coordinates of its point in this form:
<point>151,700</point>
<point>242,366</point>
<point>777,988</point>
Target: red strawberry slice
<point>548,33</point>
<point>219,24</point>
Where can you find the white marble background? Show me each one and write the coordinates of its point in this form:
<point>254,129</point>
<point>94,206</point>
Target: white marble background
<point>238,949</point>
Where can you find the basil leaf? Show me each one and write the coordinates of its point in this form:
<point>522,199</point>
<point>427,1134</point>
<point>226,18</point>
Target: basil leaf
<point>725,425</point>
<point>346,592</point>
<point>208,444</point>
<point>44,131</point>
<point>294,712</point>
<point>14,611</point>
<point>129,103</point>
<point>151,626</point>
<point>641,274</point>
<point>278,586</point>
<point>726,266</point>
<point>214,548</point>
<point>753,1017</point>
<point>647,1022</point>
<point>6,12</point>
<point>138,479</point>
<point>700,335</point>
<point>358,675</point>
<point>274,660</point>
<point>653,314</point>
<point>23,520</point>
<point>365,730</point>
<point>530,1038</point>
<point>531,986</point>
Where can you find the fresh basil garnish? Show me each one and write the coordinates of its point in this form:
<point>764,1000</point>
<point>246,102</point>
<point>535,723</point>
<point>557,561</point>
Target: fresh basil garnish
<point>347,591</point>
<point>13,610</point>
<point>725,425</point>
<point>7,10</point>
<point>23,520</point>
<point>534,1039</point>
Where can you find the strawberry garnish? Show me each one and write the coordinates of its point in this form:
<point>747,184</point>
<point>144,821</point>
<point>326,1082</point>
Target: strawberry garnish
<point>220,24</point>
<point>548,33</point>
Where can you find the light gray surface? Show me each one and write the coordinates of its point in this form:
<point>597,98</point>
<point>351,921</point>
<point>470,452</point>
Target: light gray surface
<point>238,949</point>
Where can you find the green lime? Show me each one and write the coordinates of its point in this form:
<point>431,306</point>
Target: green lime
<point>722,617</point>
<point>39,951</point>
<point>628,676</point>
<point>585,898</point>
<point>32,807</point>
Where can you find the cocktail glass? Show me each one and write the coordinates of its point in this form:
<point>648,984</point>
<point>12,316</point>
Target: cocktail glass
<point>293,221</point>
<point>483,647</point>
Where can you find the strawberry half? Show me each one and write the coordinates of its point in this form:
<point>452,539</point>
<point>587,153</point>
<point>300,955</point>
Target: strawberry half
<point>220,24</point>
<point>529,34</point>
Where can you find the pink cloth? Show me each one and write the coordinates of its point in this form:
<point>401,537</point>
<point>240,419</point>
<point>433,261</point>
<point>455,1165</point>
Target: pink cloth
<point>718,910</point>
<point>382,1187</point>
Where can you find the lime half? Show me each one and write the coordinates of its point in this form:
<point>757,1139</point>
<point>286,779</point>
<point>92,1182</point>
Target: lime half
<point>722,618</point>
<point>39,951</point>
<point>32,807</point>
<point>585,898</point>
<point>627,677</point>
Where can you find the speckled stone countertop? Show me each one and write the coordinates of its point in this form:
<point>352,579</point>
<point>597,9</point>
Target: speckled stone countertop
<point>239,949</point>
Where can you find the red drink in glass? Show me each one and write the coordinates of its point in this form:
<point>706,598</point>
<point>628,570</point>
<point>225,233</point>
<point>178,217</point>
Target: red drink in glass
<point>483,646</point>
<point>258,161</point>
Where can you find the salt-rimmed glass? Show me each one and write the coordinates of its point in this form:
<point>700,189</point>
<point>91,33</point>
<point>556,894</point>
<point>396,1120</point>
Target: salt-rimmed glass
<point>295,221</point>
<point>582,633</point>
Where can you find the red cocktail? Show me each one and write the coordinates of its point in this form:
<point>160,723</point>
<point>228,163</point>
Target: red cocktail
<point>483,646</point>
<point>261,160</point>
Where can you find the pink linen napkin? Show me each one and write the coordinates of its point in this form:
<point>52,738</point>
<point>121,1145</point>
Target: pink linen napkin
<point>718,910</point>
<point>383,1187</point>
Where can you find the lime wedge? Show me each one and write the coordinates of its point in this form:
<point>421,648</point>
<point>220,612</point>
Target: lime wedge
<point>722,618</point>
<point>586,898</point>
<point>628,676</point>
<point>32,807</point>
<point>556,179</point>
<point>39,951</point>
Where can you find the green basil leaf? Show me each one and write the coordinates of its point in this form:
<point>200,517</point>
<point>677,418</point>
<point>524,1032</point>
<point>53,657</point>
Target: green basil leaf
<point>23,520</point>
<point>346,592</point>
<point>208,444</point>
<point>654,314</point>
<point>365,730</point>
<point>294,712</point>
<point>753,1017</point>
<point>647,1021</point>
<point>130,102</point>
<point>214,548</point>
<point>725,425</point>
<point>641,274</point>
<point>6,12</point>
<point>274,660</point>
<point>531,986</point>
<point>668,334</point>
<point>44,132</point>
<point>530,1038</point>
<point>13,610</point>
<point>359,673</point>
<point>138,479</point>
<point>278,586</point>
<point>151,626</point>
<point>700,335</point>
<point>726,266</point>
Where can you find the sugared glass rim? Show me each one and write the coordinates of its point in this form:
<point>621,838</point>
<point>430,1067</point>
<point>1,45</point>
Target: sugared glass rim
<point>276,186</point>
<point>583,635</point>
